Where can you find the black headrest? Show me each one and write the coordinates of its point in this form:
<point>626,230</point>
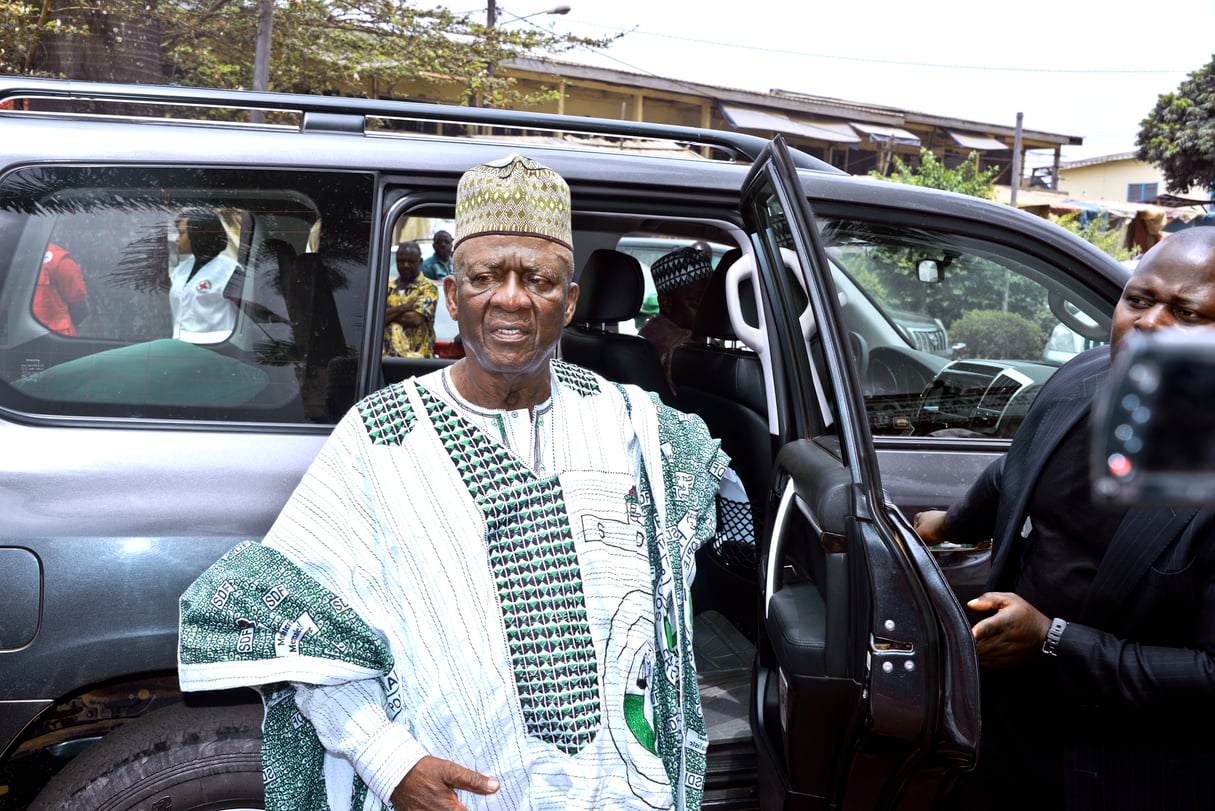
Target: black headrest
<point>712,316</point>
<point>611,288</point>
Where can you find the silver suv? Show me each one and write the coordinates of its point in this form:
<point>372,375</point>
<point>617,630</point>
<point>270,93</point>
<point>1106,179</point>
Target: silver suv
<point>835,660</point>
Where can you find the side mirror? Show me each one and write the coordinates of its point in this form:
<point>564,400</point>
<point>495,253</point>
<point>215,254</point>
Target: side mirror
<point>929,271</point>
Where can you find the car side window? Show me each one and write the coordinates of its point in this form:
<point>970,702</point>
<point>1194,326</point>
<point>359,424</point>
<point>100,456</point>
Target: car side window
<point>185,294</point>
<point>954,335</point>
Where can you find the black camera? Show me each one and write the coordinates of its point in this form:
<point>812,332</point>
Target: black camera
<point>1154,423</point>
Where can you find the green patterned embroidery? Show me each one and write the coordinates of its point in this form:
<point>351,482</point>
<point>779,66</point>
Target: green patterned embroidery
<point>387,415</point>
<point>575,378</point>
<point>638,724</point>
<point>689,452</point>
<point>253,605</point>
<point>534,563</point>
<point>234,616</point>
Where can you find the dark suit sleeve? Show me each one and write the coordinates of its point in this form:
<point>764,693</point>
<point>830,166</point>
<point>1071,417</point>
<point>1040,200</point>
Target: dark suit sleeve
<point>1169,659</point>
<point>972,518</point>
<point>1097,667</point>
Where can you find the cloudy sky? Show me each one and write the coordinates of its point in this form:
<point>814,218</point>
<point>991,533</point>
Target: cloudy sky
<point>1088,69</point>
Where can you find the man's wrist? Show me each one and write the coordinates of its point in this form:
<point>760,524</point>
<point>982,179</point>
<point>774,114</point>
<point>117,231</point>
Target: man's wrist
<point>1050,645</point>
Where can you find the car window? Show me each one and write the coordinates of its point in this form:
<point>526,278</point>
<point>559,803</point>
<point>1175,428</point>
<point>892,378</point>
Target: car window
<point>182,293</point>
<point>649,249</point>
<point>421,229</point>
<point>954,335</point>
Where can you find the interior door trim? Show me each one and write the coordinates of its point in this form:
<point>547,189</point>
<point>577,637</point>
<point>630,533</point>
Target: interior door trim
<point>776,544</point>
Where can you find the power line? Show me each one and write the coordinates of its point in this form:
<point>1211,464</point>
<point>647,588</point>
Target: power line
<point>898,62</point>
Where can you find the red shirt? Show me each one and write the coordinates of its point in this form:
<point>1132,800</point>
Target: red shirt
<point>60,283</point>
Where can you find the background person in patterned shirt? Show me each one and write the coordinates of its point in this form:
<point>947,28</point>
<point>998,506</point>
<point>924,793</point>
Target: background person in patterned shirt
<point>409,320</point>
<point>517,633</point>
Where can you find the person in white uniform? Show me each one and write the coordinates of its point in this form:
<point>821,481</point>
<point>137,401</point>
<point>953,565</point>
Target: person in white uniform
<point>525,645</point>
<point>204,288</point>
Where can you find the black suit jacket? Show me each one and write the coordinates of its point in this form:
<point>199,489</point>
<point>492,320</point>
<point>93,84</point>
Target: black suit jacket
<point>1136,668</point>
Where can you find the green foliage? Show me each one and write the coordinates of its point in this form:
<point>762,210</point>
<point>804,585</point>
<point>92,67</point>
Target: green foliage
<point>995,334</point>
<point>318,46</point>
<point>888,272</point>
<point>1179,134</point>
<point>1098,232</point>
<point>22,27</point>
<point>965,178</point>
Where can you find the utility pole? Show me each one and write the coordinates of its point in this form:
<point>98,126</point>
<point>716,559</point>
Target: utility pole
<point>1016,167</point>
<point>491,21</point>
<point>261,53</point>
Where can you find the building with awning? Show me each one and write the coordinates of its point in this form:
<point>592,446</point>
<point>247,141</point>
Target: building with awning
<point>751,118</point>
<point>887,135</point>
<point>977,143</point>
<point>854,136</point>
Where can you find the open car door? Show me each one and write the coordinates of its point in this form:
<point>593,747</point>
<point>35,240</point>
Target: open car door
<point>866,687</point>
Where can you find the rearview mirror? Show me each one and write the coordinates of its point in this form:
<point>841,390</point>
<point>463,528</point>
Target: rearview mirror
<point>929,271</point>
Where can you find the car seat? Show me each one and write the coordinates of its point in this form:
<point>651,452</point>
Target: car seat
<point>611,287</point>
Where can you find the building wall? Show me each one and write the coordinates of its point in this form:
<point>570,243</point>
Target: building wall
<point>1108,180</point>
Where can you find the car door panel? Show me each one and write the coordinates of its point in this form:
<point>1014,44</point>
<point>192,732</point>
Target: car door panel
<point>866,680</point>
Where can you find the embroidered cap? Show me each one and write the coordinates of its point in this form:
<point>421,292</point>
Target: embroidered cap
<point>680,267</point>
<point>514,195</point>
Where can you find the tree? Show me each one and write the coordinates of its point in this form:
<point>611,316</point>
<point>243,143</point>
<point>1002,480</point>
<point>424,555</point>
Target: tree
<point>974,282</point>
<point>319,46</point>
<point>1179,135</point>
<point>1097,231</point>
<point>996,334</point>
<point>965,178</point>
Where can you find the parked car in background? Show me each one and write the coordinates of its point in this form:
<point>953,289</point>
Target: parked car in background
<point>1079,334</point>
<point>922,331</point>
<point>836,665</point>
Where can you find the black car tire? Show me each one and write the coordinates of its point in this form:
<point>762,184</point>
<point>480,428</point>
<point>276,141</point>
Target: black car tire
<point>183,758</point>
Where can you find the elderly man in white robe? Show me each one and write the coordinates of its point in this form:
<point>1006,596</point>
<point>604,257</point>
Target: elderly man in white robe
<point>528,644</point>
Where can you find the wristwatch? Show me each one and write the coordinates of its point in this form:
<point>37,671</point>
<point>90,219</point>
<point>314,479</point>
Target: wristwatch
<point>1051,644</point>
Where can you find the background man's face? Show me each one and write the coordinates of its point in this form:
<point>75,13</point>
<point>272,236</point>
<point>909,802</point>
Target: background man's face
<point>442,245</point>
<point>409,261</point>
<point>1172,287</point>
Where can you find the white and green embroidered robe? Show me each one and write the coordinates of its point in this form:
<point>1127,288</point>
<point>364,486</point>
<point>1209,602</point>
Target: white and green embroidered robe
<point>437,585</point>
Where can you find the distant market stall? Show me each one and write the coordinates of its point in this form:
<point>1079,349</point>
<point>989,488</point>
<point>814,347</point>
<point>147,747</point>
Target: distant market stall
<point>1142,224</point>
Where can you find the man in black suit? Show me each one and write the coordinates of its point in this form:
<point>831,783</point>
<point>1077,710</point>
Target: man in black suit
<point>1097,642</point>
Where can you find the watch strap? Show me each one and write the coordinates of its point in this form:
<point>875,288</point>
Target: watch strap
<point>1051,644</point>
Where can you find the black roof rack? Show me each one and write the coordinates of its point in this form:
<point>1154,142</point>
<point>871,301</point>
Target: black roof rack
<point>349,114</point>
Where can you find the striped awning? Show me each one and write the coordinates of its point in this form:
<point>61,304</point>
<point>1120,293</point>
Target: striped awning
<point>886,134</point>
<point>752,118</point>
<point>979,143</point>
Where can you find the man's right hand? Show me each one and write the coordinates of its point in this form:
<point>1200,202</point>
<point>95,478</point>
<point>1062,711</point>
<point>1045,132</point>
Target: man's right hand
<point>432,783</point>
<point>930,526</point>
